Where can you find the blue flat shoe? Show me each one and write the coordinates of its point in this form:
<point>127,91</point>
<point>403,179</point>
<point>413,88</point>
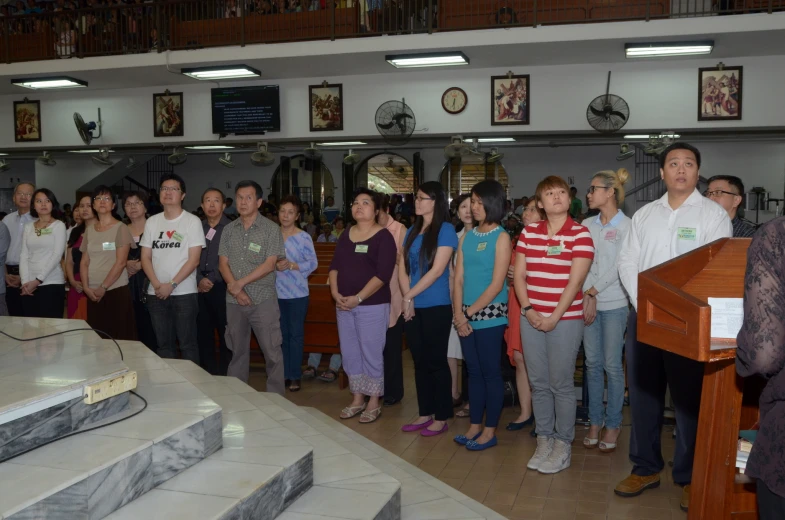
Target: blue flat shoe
<point>476,446</point>
<point>515,426</point>
<point>463,439</point>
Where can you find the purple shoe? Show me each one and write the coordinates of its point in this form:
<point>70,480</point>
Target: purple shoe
<point>416,427</point>
<point>431,433</point>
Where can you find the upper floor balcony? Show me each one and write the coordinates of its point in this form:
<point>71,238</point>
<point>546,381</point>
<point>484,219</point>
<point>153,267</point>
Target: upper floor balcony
<point>85,28</point>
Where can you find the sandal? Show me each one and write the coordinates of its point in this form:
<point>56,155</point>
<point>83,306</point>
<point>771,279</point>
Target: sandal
<point>328,376</point>
<point>369,417</point>
<point>309,373</point>
<point>609,447</point>
<point>351,411</point>
<point>590,443</point>
<point>295,385</point>
<point>463,413</point>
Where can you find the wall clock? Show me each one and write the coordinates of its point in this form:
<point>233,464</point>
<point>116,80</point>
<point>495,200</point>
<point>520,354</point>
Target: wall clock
<point>454,100</point>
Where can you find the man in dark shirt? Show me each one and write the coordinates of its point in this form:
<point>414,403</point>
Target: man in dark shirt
<point>761,351</point>
<point>211,287</point>
<point>728,192</point>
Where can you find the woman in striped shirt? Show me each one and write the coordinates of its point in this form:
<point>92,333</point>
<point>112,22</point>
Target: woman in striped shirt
<point>552,264</point>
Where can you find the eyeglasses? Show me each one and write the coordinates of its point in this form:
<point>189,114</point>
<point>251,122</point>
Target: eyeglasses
<point>364,202</point>
<point>420,199</point>
<point>25,195</point>
<point>592,189</point>
<point>133,204</point>
<point>104,199</point>
<point>718,193</point>
<point>170,188</point>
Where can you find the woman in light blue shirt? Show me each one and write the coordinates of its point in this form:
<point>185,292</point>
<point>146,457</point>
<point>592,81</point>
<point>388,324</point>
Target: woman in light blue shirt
<point>291,284</point>
<point>605,309</point>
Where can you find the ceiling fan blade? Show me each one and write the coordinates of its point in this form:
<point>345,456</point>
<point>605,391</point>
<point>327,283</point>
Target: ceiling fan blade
<point>619,115</point>
<point>597,112</point>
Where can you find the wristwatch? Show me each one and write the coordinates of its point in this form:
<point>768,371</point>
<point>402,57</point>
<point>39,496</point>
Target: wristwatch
<point>359,300</point>
<point>526,309</point>
<point>105,288</point>
<point>589,294</point>
<point>174,284</point>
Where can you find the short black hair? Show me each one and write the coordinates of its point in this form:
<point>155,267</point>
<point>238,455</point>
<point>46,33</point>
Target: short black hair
<point>376,198</point>
<point>250,184</point>
<point>679,145</point>
<point>141,195</point>
<point>730,179</point>
<point>493,198</point>
<point>172,177</point>
<point>103,189</point>
<point>49,195</point>
<point>208,190</point>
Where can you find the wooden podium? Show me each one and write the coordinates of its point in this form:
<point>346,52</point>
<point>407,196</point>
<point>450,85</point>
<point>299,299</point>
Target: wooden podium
<point>673,314</point>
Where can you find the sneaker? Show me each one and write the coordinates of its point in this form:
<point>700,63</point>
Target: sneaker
<point>544,447</point>
<point>558,459</point>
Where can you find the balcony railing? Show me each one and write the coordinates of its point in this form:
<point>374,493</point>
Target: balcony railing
<point>159,25</point>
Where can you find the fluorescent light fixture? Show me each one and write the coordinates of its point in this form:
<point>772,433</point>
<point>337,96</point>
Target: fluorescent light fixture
<point>654,50</point>
<point>646,136</point>
<point>222,72</point>
<point>342,143</point>
<point>89,151</point>
<point>210,147</point>
<point>3,154</point>
<point>432,59</point>
<point>491,140</point>
<point>49,82</point>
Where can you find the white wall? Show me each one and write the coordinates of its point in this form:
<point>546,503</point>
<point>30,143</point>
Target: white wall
<point>662,95</point>
<point>67,176</point>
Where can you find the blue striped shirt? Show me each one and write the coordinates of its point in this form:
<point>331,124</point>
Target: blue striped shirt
<point>294,283</point>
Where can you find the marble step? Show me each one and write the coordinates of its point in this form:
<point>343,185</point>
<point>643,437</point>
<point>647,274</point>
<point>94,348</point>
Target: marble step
<point>92,474</point>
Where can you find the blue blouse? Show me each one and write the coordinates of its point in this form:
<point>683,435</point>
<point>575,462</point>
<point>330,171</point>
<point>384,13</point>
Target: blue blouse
<point>439,291</point>
<point>294,283</point>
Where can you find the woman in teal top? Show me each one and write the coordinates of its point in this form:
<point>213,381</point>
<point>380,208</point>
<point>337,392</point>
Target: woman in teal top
<point>480,311</point>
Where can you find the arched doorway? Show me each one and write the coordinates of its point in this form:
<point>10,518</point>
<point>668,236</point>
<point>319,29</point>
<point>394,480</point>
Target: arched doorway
<point>386,172</point>
<point>460,174</point>
<point>306,177</point>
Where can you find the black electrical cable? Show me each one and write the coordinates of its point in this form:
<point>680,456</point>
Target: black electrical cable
<point>122,358</point>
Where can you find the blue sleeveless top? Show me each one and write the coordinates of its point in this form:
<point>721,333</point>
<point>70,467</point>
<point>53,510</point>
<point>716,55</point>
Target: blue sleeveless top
<point>479,256</point>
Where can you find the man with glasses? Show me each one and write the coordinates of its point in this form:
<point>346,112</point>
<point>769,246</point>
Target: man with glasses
<point>171,245</point>
<point>15,222</point>
<point>728,192</point>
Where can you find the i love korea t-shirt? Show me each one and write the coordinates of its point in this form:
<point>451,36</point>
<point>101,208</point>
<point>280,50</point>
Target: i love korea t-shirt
<point>170,241</point>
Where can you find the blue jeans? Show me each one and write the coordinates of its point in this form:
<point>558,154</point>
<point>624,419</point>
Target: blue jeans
<point>174,321</point>
<point>482,352</point>
<point>335,361</point>
<point>293,312</point>
<point>603,341</point>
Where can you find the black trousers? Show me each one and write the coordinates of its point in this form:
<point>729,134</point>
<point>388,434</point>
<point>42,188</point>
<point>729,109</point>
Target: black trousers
<point>393,362</point>
<point>771,506</point>
<point>13,299</point>
<point>649,370</point>
<point>428,334</point>
<point>144,326</point>
<point>212,316</point>
<point>48,301</point>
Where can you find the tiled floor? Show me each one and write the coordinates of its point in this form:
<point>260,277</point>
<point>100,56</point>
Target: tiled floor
<point>498,477</point>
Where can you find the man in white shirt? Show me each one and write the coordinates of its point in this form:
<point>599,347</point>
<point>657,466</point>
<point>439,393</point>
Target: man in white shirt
<point>679,222</point>
<point>15,222</point>
<point>171,246</point>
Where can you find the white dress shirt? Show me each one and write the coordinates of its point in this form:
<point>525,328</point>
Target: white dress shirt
<point>15,224</point>
<point>660,233</point>
<point>41,255</point>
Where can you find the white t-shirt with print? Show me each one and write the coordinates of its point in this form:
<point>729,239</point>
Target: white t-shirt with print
<point>170,241</point>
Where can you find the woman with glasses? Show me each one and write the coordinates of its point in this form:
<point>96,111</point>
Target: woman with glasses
<point>554,256</point>
<point>424,276</point>
<point>76,307</point>
<point>605,309</point>
<point>105,249</point>
<point>360,275</point>
<point>135,207</point>
<point>480,311</point>
<point>43,245</point>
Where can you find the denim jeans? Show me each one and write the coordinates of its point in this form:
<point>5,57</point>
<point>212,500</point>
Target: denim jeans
<point>316,358</point>
<point>603,341</point>
<point>293,311</point>
<point>174,321</point>
<point>482,350</point>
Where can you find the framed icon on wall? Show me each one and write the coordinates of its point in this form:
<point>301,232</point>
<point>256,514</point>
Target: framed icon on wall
<point>168,114</point>
<point>27,121</point>
<point>719,93</point>
<point>510,99</point>
<point>326,107</point>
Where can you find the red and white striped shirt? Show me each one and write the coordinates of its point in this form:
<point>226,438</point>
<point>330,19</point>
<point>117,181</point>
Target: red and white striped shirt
<point>548,263</point>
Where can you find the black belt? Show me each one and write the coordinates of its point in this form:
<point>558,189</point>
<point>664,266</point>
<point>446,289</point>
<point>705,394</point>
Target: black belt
<point>12,269</point>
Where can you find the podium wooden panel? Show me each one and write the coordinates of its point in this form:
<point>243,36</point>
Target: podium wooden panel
<point>674,315</point>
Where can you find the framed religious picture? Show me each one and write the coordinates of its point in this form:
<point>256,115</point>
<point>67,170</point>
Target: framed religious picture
<point>326,107</point>
<point>510,97</point>
<point>168,114</point>
<point>719,93</point>
<point>27,121</point>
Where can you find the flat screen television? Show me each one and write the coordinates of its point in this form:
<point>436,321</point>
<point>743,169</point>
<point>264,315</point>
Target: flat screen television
<point>246,110</point>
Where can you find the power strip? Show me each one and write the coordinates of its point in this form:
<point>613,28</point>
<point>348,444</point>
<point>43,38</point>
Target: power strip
<point>107,388</point>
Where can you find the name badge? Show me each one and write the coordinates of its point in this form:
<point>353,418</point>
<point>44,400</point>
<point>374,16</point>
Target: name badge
<point>46,231</point>
<point>177,236</point>
<point>554,250</point>
<point>137,239</point>
<point>686,233</point>
<point>109,246</point>
<point>254,247</point>
<point>481,246</point>
<point>210,234</point>
<point>361,248</point>
<point>610,234</point>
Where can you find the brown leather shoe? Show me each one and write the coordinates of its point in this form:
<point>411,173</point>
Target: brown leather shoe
<point>685,498</point>
<point>634,485</point>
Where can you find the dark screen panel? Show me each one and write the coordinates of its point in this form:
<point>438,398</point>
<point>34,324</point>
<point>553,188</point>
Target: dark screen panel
<point>246,110</point>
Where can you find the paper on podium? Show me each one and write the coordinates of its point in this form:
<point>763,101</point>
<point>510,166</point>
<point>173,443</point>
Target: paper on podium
<point>727,316</point>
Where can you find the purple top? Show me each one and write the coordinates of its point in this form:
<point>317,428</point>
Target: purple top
<point>358,262</point>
